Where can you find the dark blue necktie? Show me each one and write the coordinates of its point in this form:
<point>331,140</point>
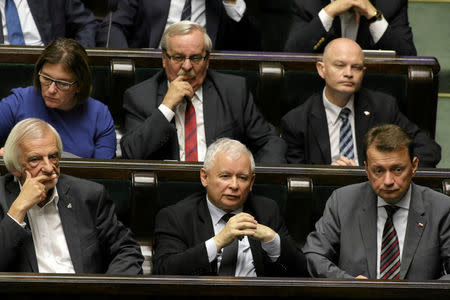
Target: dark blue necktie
<point>346,137</point>
<point>187,11</point>
<point>229,254</point>
<point>15,33</point>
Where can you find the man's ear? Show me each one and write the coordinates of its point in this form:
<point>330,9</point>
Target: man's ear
<point>415,164</point>
<point>320,69</point>
<point>203,177</point>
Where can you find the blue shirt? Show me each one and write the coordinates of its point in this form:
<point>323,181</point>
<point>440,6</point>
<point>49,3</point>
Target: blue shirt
<point>87,130</point>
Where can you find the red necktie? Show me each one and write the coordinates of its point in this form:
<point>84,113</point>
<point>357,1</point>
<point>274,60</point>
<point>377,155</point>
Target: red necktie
<point>390,251</point>
<point>190,133</point>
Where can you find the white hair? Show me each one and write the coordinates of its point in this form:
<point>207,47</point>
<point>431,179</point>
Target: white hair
<point>232,148</point>
<point>28,129</point>
<point>182,28</point>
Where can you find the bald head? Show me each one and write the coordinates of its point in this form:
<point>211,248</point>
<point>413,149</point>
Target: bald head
<point>343,69</point>
<point>343,45</point>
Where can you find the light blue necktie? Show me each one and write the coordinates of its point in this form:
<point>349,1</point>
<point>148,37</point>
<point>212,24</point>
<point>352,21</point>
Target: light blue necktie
<point>346,137</point>
<point>15,33</point>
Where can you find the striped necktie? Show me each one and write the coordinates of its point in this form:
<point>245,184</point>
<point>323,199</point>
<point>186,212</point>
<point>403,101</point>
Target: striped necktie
<point>229,254</point>
<point>15,33</point>
<point>187,11</point>
<point>390,250</point>
<point>190,133</point>
<point>346,137</point>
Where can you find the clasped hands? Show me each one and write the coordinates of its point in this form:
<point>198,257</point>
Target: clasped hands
<point>359,7</point>
<point>240,225</point>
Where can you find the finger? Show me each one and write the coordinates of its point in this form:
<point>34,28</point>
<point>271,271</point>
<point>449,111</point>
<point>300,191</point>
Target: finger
<point>28,174</point>
<point>42,178</point>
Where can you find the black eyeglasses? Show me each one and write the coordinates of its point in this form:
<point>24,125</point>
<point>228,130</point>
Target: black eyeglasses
<point>60,84</point>
<point>194,59</point>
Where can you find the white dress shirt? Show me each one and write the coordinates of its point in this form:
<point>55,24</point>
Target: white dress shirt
<point>349,27</point>
<point>332,112</point>
<point>197,102</point>
<point>400,219</point>
<point>198,8</point>
<point>30,32</point>
<point>245,266</point>
<point>49,241</point>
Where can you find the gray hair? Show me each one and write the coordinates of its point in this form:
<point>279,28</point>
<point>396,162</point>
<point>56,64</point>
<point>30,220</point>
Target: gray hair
<point>231,147</point>
<point>182,28</point>
<point>28,129</point>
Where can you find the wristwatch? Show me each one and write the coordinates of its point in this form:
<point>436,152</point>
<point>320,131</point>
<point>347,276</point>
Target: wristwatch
<point>377,17</point>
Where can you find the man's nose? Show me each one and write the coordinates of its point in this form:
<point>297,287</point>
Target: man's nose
<point>187,65</point>
<point>388,179</point>
<point>47,166</point>
<point>348,72</point>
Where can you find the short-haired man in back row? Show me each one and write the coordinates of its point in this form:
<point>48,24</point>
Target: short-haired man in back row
<point>329,127</point>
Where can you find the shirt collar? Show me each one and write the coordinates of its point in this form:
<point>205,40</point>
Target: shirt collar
<point>403,203</point>
<point>217,213</point>
<point>332,110</point>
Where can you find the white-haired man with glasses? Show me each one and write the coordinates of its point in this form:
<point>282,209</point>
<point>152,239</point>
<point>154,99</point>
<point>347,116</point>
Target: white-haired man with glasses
<point>181,110</point>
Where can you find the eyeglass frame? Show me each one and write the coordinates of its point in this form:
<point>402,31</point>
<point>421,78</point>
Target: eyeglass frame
<point>57,82</point>
<point>194,62</point>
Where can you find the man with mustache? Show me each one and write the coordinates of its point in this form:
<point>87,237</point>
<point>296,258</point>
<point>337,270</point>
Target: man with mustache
<point>329,128</point>
<point>55,223</point>
<point>178,112</point>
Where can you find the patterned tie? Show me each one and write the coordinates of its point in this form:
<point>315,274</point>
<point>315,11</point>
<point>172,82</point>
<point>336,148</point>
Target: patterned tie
<point>346,138</point>
<point>187,11</point>
<point>190,133</point>
<point>390,251</point>
<point>229,254</point>
<point>15,33</point>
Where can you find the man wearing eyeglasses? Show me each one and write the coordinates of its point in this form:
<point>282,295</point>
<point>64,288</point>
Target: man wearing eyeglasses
<point>178,112</point>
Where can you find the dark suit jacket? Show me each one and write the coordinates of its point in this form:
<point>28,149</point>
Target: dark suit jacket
<point>63,18</point>
<point>182,229</point>
<point>305,129</point>
<point>228,110</point>
<point>344,243</point>
<point>307,29</point>
<point>141,23</point>
<point>97,241</point>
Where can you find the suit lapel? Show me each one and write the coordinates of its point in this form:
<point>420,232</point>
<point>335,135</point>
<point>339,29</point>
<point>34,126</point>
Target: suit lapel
<point>212,18</point>
<point>210,110</point>
<point>363,118</point>
<point>40,13</point>
<point>367,225</point>
<point>319,128</point>
<point>160,93</point>
<point>416,216</point>
<point>157,21</point>
<point>206,228</point>
<point>67,211</point>
<point>12,191</point>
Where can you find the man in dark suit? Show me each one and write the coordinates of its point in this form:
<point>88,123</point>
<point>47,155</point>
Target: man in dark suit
<point>54,19</point>
<point>387,228</point>
<point>314,130</point>
<point>159,111</point>
<point>373,24</point>
<point>196,235</point>
<point>141,23</point>
<point>54,223</point>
